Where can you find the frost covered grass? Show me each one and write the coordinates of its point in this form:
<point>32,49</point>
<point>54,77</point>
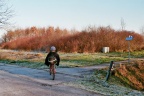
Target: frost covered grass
<point>96,83</point>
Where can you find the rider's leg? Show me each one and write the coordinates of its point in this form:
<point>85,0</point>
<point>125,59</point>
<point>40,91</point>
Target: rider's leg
<point>53,69</point>
<point>50,69</point>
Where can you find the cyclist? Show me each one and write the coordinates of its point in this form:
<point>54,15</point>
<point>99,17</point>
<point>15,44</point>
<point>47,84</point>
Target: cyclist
<point>50,54</point>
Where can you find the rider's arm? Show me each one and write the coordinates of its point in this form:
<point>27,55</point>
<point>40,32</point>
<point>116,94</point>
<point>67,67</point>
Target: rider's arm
<point>58,59</point>
<point>46,60</point>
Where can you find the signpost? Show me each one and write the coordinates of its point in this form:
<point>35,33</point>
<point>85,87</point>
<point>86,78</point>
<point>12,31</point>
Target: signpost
<point>129,39</point>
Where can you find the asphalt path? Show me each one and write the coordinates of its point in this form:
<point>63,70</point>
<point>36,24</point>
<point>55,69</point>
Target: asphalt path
<point>21,81</point>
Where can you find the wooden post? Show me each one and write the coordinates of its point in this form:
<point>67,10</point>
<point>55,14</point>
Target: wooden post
<point>109,71</point>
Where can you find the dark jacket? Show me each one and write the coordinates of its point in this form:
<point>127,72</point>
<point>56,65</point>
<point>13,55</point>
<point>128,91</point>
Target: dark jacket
<point>54,54</point>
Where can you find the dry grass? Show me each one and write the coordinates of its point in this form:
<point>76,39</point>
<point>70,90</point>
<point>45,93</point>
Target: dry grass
<point>67,59</point>
<point>2,56</point>
<point>132,74</point>
<point>21,55</point>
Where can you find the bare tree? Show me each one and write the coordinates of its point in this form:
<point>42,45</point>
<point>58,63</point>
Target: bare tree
<point>123,24</point>
<point>5,13</point>
<point>142,30</point>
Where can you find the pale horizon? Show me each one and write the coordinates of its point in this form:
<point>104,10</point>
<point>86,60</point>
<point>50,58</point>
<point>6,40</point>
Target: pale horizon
<point>78,14</point>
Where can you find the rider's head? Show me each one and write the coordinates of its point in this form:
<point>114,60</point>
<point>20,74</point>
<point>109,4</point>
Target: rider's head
<point>53,49</point>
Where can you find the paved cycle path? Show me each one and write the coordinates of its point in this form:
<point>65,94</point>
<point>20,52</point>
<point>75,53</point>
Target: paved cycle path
<point>21,81</point>
<point>35,73</point>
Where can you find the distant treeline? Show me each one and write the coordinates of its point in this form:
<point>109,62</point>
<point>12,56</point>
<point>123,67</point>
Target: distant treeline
<point>89,40</point>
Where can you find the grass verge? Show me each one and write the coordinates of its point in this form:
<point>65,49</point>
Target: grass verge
<point>36,60</point>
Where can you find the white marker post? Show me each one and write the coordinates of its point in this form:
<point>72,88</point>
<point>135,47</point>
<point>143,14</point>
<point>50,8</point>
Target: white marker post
<point>129,39</point>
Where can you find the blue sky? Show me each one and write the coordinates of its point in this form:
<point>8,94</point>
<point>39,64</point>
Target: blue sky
<point>78,14</point>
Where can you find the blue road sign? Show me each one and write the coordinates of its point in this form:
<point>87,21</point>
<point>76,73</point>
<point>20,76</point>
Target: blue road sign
<point>129,38</point>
